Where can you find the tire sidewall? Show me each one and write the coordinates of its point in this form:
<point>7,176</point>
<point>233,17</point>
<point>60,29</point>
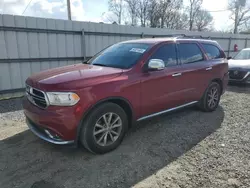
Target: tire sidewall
<point>87,137</point>
<point>212,85</point>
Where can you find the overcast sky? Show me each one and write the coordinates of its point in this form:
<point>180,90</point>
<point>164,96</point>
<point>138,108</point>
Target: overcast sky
<point>94,10</point>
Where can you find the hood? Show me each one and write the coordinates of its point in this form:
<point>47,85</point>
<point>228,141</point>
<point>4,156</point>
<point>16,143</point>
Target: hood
<point>71,77</point>
<point>242,64</point>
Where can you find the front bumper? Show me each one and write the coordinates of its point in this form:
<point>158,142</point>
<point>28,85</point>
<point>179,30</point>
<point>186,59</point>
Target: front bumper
<point>57,125</point>
<point>45,135</point>
<point>245,79</point>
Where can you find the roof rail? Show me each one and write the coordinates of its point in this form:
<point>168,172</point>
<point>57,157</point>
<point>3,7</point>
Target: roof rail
<point>176,35</point>
<point>199,36</point>
<point>187,36</point>
<point>170,35</point>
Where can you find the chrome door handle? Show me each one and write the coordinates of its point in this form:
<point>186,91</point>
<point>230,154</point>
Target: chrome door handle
<point>209,68</point>
<point>176,74</point>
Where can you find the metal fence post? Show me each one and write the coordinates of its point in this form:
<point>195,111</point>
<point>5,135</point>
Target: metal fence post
<point>229,47</point>
<point>83,45</point>
<point>246,43</point>
<point>142,35</point>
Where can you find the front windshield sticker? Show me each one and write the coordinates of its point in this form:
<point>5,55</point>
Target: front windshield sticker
<point>137,50</point>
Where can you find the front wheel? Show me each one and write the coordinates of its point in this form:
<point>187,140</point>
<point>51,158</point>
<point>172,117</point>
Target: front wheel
<point>211,98</point>
<point>104,129</point>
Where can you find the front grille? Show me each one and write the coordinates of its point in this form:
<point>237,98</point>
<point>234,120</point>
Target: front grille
<point>38,93</point>
<point>36,97</point>
<point>237,74</point>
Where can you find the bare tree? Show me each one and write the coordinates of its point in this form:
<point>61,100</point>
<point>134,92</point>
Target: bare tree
<point>182,21</point>
<point>167,10</point>
<point>178,21</point>
<point>193,8</point>
<point>172,14</point>
<point>163,6</point>
<point>132,9</point>
<point>108,17</point>
<point>153,13</point>
<point>203,20</point>
<point>240,13</point>
<point>116,6</point>
<point>142,11</point>
<point>162,13</point>
<point>247,27</point>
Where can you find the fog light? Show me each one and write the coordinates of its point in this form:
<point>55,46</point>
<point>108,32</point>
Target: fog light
<point>51,135</point>
<point>248,80</point>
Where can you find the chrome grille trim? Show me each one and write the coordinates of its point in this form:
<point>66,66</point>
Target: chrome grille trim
<point>36,96</point>
<point>32,97</point>
<point>240,75</point>
<point>246,75</point>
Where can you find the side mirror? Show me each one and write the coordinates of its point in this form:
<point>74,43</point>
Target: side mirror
<point>156,65</point>
<point>229,57</point>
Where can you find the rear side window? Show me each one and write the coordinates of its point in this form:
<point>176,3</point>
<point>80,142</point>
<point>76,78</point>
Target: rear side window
<point>212,51</point>
<point>189,53</point>
<point>167,53</point>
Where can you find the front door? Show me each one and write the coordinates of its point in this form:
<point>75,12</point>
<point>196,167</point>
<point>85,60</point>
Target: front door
<point>161,90</point>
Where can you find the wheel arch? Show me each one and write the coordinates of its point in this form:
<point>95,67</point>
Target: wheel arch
<point>120,101</point>
<point>219,81</point>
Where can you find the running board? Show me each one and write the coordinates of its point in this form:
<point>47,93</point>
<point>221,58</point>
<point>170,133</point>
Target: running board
<point>168,110</point>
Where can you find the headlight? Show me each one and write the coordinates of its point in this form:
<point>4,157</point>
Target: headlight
<point>62,98</point>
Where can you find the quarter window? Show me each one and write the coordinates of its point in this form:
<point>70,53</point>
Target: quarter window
<point>189,53</point>
<point>167,53</point>
<point>212,51</point>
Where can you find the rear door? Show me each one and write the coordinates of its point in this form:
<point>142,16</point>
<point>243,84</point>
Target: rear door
<point>217,59</point>
<point>196,70</point>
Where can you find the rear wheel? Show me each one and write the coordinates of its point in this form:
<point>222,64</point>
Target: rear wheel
<point>211,98</point>
<point>104,129</point>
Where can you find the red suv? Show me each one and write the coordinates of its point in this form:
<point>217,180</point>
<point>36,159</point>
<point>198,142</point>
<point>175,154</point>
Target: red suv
<point>95,103</point>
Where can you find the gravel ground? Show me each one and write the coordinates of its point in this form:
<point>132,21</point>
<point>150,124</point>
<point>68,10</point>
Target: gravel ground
<point>10,105</point>
<point>185,149</point>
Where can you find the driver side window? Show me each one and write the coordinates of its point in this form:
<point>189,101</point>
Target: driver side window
<point>167,53</point>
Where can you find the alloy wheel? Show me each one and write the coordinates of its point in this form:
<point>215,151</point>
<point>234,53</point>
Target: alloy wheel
<point>107,129</point>
<point>213,97</point>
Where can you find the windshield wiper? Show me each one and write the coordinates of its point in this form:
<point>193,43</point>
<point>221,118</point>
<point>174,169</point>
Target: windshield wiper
<point>98,64</point>
<point>85,61</point>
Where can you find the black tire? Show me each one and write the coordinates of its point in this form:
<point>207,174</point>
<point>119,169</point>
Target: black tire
<point>87,137</point>
<point>205,100</point>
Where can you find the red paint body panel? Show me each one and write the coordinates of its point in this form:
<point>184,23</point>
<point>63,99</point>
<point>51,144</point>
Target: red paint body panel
<point>72,77</point>
<point>62,121</point>
<point>146,92</point>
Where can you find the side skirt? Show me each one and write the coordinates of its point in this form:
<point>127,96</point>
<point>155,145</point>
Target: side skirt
<point>165,111</point>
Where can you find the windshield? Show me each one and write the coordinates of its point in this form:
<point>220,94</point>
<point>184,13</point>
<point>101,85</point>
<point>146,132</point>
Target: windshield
<point>122,55</point>
<point>243,55</point>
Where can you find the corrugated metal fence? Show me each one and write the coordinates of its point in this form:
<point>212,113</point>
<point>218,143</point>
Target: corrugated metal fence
<point>29,45</point>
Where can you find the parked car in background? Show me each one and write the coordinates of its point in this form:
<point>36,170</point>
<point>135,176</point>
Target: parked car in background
<point>96,103</point>
<point>239,67</point>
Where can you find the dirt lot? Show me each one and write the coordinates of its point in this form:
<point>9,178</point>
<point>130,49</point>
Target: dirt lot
<point>184,149</point>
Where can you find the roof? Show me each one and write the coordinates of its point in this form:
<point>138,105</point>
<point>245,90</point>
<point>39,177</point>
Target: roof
<point>165,39</point>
